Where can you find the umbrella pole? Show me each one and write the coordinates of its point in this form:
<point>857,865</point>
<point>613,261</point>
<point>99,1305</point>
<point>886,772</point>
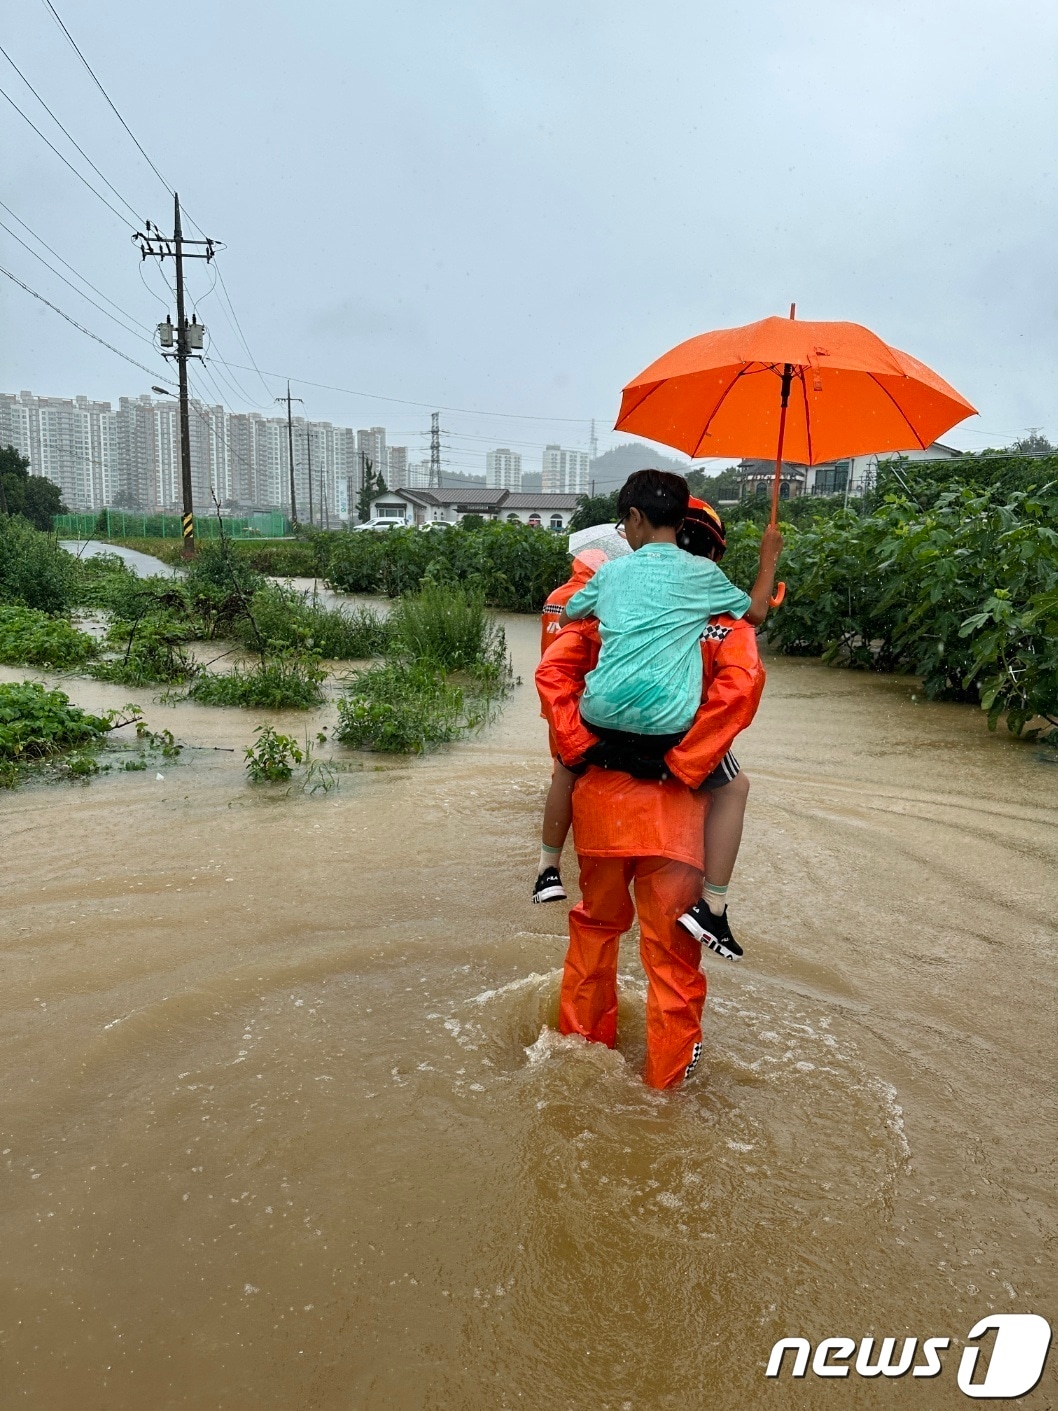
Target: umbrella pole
<point>787,379</point>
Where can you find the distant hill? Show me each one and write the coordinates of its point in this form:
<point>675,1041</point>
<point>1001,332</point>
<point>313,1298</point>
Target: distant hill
<point>610,470</point>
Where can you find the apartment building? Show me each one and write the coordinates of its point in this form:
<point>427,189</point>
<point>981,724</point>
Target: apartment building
<point>130,456</point>
<point>503,469</point>
<point>564,472</point>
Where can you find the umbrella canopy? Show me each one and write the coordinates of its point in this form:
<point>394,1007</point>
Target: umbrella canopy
<point>850,394</point>
<point>598,545</point>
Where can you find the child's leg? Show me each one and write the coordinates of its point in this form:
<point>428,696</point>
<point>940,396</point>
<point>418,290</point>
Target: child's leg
<point>558,815</point>
<point>723,834</point>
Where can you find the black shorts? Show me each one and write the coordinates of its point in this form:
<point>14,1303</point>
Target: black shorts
<point>723,774</point>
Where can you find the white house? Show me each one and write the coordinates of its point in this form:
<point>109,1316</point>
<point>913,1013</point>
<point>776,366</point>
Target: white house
<point>542,511</point>
<point>860,473</point>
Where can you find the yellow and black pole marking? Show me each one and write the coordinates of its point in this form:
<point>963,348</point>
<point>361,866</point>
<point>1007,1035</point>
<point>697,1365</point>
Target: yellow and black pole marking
<point>188,522</point>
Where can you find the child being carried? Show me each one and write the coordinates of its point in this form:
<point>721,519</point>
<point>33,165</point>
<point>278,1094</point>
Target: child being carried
<point>652,606</point>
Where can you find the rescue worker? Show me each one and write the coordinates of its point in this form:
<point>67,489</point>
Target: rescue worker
<point>648,834</point>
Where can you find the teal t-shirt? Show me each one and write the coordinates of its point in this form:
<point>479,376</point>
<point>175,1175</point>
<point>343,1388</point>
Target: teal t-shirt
<point>652,607</point>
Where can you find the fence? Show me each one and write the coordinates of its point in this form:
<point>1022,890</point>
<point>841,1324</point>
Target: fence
<point>122,524</point>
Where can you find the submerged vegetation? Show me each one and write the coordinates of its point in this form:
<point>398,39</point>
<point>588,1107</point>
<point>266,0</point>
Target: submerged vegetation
<point>34,638</point>
<point>41,728</point>
<point>405,708</point>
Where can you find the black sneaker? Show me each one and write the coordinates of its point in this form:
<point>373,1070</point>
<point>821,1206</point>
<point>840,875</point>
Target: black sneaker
<point>712,931</point>
<point>549,886</point>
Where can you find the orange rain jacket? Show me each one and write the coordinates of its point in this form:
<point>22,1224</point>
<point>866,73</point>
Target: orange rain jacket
<point>616,815</point>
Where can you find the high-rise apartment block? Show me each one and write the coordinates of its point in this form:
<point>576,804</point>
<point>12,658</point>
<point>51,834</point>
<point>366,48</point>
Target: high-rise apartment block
<point>503,469</point>
<point>129,457</point>
<point>565,472</point>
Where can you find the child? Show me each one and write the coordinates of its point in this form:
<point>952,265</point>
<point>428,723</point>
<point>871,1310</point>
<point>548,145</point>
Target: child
<point>643,694</point>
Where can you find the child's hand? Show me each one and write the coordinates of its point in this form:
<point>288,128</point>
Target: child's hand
<point>771,545</point>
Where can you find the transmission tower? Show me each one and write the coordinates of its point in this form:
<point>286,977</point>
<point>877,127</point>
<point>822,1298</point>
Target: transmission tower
<point>435,451</point>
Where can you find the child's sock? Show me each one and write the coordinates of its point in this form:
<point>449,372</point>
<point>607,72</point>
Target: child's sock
<point>549,857</point>
<point>715,898</point>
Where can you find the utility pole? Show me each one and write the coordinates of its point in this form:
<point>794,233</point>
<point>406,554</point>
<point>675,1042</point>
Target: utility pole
<point>188,343</point>
<point>290,447</point>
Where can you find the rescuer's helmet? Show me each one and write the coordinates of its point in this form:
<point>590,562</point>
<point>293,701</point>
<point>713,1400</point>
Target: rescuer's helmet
<point>702,531</point>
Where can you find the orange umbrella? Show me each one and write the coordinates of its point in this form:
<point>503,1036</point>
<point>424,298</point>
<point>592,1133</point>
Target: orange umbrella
<point>810,391</point>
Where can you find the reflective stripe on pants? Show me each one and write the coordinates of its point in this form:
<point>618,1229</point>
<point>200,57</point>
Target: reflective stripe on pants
<point>676,986</point>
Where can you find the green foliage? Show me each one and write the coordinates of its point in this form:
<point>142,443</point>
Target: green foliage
<point>36,722</point>
<point>373,485</point>
<point>35,639</point>
<point>963,593</point>
<point>33,497</point>
<point>405,708</point>
<point>449,628</point>
<point>511,565</point>
<point>722,486</point>
<point>594,509</point>
<point>161,741</point>
<point>924,482</point>
<point>218,568</point>
<point>272,759</point>
<point>291,680</point>
<point>34,570</point>
<point>284,618</point>
<point>151,651</point>
<point>102,581</point>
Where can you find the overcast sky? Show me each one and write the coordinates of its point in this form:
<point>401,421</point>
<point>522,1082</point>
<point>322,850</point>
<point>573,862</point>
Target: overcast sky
<point>514,208</point>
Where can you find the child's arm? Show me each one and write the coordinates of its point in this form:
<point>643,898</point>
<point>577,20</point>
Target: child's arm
<point>582,603</point>
<point>764,586</point>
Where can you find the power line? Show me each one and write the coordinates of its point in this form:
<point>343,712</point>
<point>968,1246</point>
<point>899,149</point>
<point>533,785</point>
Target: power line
<point>67,134</point>
<point>69,266</point>
<point>136,332</point>
<point>106,95</point>
<point>98,194</point>
<point>242,335</point>
<point>407,402</point>
<point>151,372</point>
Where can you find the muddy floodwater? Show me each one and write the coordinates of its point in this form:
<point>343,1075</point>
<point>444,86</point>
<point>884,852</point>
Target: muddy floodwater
<point>284,1125</point>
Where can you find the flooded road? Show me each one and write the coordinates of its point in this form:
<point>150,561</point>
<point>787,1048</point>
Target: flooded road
<point>284,1127</point>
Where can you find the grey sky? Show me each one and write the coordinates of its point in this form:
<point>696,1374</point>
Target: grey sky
<point>517,207</point>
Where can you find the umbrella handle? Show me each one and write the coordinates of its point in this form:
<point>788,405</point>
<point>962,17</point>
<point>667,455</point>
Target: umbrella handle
<point>779,595</point>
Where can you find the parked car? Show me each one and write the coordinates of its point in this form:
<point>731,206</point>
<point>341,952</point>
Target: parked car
<point>380,524</point>
<point>434,524</point>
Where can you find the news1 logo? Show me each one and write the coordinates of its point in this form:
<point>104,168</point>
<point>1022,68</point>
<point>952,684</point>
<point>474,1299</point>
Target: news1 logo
<point>1022,1341</point>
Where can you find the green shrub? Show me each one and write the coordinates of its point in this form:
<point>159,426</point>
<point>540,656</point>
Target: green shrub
<point>404,708</point>
<point>272,759</point>
<point>449,628</point>
<point>291,680</point>
<point>34,570</point>
<point>35,639</point>
<point>36,722</point>
<point>151,651</point>
<point>284,558</point>
<point>510,565</point>
<point>284,618</point>
<point>963,593</point>
<point>102,581</point>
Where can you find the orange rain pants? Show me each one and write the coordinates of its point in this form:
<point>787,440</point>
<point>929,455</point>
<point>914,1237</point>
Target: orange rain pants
<point>664,889</point>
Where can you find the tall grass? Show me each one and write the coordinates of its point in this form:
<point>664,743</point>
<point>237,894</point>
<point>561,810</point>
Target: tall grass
<point>405,708</point>
<point>292,680</point>
<point>282,617</point>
